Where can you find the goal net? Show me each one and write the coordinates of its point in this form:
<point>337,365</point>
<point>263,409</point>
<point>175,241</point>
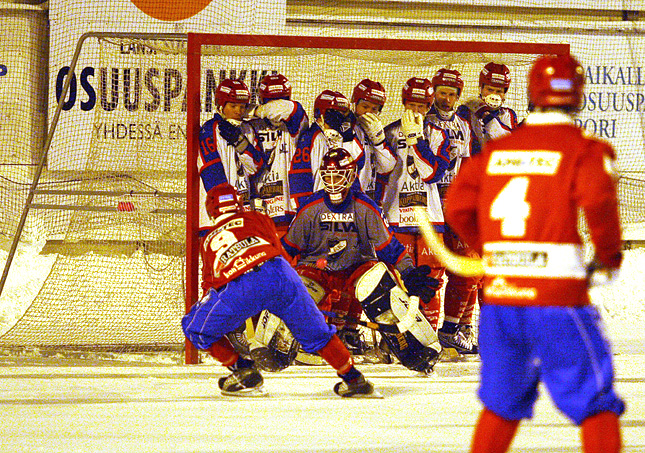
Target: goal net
<point>111,199</point>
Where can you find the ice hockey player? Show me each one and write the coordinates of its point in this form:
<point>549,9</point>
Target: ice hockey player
<point>229,152</point>
<point>518,203</point>
<point>488,117</point>
<point>333,126</point>
<point>422,158</point>
<point>278,121</point>
<point>242,258</point>
<point>339,237</point>
<point>461,292</point>
<point>378,159</point>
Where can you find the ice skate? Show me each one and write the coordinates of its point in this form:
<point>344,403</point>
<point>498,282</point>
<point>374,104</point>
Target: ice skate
<point>242,382</point>
<point>352,340</point>
<point>357,388</point>
<point>469,335</point>
<point>453,338</point>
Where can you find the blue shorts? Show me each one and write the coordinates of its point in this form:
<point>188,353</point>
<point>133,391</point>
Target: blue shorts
<point>274,286</point>
<point>563,347</point>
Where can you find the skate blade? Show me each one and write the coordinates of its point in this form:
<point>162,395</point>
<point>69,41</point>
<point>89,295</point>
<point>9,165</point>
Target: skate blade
<point>374,395</point>
<point>255,392</point>
<point>450,355</point>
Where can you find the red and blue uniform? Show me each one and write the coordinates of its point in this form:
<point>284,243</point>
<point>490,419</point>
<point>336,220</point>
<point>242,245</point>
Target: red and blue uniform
<point>243,259</point>
<point>517,204</point>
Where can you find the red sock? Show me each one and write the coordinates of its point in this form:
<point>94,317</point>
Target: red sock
<point>337,355</point>
<point>601,433</point>
<point>224,352</point>
<point>493,433</point>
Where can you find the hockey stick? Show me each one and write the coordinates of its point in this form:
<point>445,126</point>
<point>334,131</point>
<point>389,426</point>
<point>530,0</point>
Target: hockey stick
<point>460,265</point>
<point>387,328</point>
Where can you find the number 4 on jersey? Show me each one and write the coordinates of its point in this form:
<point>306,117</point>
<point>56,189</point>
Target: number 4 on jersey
<point>510,206</point>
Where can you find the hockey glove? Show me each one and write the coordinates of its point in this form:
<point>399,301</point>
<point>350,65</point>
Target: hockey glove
<point>340,123</point>
<point>373,127</point>
<point>275,111</point>
<point>233,136</point>
<point>600,275</point>
<point>419,283</point>
<point>412,127</point>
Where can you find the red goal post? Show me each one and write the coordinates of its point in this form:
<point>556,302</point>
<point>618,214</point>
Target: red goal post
<point>412,53</point>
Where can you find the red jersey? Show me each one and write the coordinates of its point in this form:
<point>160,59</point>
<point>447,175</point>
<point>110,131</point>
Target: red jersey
<point>235,245</point>
<point>517,203</point>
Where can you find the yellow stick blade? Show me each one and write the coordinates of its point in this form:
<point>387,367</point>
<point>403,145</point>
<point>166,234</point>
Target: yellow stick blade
<point>460,265</point>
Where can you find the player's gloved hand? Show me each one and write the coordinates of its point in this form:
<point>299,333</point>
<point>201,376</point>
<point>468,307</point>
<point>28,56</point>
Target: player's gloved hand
<point>340,123</point>
<point>373,127</point>
<point>477,106</point>
<point>275,111</point>
<point>599,275</point>
<point>418,282</point>
<point>233,135</point>
<point>412,127</point>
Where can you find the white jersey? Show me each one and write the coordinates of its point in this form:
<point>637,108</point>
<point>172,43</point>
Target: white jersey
<point>219,163</point>
<point>412,182</point>
<point>378,159</point>
<point>501,124</point>
<point>463,142</point>
<point>497,124</point>
<point>278,139</point>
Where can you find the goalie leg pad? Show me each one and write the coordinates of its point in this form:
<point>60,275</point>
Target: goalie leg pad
<point>384,301</point>
<point>273,348</point>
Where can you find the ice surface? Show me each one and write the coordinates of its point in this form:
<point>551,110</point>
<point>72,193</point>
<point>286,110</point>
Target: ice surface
<point>129,403</point>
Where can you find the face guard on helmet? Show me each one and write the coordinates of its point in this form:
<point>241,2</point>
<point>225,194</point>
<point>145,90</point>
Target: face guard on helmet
<point>337,171</point>
<point>495,75</point>
<point>274,86</point>
<point>556,81</point>
<point>369,90</point>
<point>417,90</point>
<point>230,90</point>
<point>448,78</point>
<point>222,200</point>
<point>330,100</point>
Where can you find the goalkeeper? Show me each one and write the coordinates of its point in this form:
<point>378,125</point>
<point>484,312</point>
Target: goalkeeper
<point>242,258</point>
<point>338,236</point>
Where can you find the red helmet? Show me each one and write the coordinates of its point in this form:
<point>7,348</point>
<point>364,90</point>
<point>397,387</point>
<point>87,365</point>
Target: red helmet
<point>230,90</point>
<point>417,90</point>
<point>556,81</point>
<point>274,86</point>
<point>448,78</point>
<point>222,200</point>
<point>329,99</point>
<point>369,90</point>
<point>495,75</point>
<point>337,171</point>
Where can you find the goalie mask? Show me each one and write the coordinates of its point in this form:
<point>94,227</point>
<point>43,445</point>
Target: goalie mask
<point>337,171</point>
<point>222,200</point>
<point>556,81</point>
<point>448,78</point>
<point>230,90</point>
<point>330,100</point>
<point>274,86</point>
<point>369,90</point>
<point>495,75</point>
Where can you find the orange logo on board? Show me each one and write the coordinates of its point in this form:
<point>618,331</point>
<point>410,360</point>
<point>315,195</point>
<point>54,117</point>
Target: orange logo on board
<point>171,10</point>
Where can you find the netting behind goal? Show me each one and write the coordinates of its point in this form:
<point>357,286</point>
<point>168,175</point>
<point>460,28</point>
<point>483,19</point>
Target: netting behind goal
<point>111,198</point>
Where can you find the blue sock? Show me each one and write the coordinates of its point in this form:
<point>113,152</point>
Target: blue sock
<point>351,375</point>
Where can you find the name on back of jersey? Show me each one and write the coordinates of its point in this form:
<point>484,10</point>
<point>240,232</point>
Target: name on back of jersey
<point>529,162</point>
